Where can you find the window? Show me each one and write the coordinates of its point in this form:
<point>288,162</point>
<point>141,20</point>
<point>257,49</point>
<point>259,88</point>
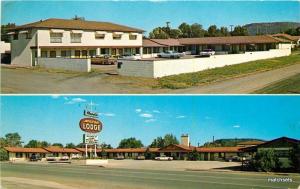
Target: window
<point>84,53</point>
<point>99,36</point>
<point>19,155</point>
<point>92,53</point>
<point>117,36</point>
<point>75,37</point>
<point>44,54</point>
<point>28,35</point>
<point>56,37</point>
<point>77,53</point>
<point>52,54</point>
<point>132,37</point>
<point>65,53</point>
<point>104,51</point>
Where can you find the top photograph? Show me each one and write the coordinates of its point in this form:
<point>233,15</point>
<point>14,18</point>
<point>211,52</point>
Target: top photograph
<point>150,47</point>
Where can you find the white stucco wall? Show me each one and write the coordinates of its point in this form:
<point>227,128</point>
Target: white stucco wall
<point>4,47</point>
<point>72,64</point>
<point>161,68</point>
<point>88,39</point>
<point>20,50</point>
<point>137,68</point>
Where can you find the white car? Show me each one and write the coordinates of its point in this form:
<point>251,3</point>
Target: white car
<point>64,158</point>
<point>164,158</point>
<point>131,57</point>
<point>207,52</point>
<point>170,54</point>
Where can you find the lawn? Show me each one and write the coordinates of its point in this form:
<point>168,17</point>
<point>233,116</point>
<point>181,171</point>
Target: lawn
<point>288,86</point>
<point>227,72</point>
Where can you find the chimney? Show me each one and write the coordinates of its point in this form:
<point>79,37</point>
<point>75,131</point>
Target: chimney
<point>185,140</point>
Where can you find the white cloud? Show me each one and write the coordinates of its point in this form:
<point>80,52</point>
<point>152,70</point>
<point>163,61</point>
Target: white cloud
<point>138,110</point>
<point>236,126</point>
<point>180,117</point>
<point>75,100</point>
<point>150,120</point>
<point>156,111</point>
<point>146,115</point>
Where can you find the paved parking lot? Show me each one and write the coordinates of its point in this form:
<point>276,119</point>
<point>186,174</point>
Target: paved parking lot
<point>35,176</point>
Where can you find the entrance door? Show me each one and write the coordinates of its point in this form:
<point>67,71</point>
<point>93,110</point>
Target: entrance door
<point>33,57</point>
<point>77,53</point>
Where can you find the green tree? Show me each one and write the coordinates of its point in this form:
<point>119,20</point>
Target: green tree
<point>157,143</point>
<point>130,143</point>
<point>194,155</point>
<point>224,31</point>
<point>70,145</point>
<point>266,160</point>
<point>293,31</point>
<point>170,139</point>
<point>13,140</point>
<point>197,30</point>
<point>212,31</point>
<point>36,144</point>
<point>58,145</point>
<point>239,31</point>
<point>3,154</point>
<point>158,33</point>
<point>175,33</point>
<point>105,146</point>
<point>5,29</point>
<point>185,30</point>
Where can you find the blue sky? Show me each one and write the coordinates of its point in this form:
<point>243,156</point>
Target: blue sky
<point>56,118</point>
<point>149,14</point>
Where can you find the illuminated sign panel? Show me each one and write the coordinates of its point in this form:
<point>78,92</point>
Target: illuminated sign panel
<point>90,125</point>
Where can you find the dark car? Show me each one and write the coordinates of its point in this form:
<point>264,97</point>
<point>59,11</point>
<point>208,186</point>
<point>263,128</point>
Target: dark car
<point>35,157</point>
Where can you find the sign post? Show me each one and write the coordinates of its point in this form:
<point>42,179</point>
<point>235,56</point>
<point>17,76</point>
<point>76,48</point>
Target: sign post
<point>91,126</point>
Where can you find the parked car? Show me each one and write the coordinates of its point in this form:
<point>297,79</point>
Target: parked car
<point>164,158</point>
<point>140,158</point>
<point>170,54</point>
<point>131,57</point>
<point>64,158</point>
<point>76,156</point>
<point>119,157</point>
<point>35,157</point>
<point>207,52</point>
<point>50,158</point>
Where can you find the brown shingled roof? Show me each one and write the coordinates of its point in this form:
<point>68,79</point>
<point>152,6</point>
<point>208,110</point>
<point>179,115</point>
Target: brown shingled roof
<point>151,43</point>
<point>167,42</point>
<point>228,40</point>
<point>287,36</point>
<point>124,150</point>
<point>218,149</point>
<point>55,23</point>
<point>25,150</point>
<point>54,149</point>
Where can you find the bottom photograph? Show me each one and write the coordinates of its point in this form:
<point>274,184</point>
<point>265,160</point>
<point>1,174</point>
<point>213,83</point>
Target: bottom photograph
<point>124,142</point>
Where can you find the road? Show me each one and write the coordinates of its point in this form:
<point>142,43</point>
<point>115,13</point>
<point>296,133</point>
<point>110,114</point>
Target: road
<point>29,176</point>
<point>21,80</point>
<point>246,84</point>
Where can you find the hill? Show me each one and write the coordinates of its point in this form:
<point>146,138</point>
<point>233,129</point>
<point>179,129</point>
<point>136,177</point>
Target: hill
<point>229,142</point>
<point>270,27</point>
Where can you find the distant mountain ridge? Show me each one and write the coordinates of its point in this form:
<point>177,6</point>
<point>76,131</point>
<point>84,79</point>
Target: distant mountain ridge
<point>229,142</point>
<point>270,27</point>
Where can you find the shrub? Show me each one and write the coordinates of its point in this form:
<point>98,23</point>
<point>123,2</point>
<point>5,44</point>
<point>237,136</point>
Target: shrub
<point>266,160</point>
<point>194,156</point>
<point>3,154</point>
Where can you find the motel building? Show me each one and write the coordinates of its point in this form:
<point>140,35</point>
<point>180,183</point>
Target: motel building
<point>62,38</point>
<point>282,147</point>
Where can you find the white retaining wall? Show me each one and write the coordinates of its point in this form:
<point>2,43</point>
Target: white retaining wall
<point>161,68</point>
<point>101,162</point>
<point>4,47</point>
<point>71,64</point>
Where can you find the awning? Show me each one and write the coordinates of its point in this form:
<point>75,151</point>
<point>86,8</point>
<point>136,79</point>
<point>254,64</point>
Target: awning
<point>101,32</point>
<point>133,33</point>
<point>25,31</point>
<point>57,31</point>
<point>76,31</point>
